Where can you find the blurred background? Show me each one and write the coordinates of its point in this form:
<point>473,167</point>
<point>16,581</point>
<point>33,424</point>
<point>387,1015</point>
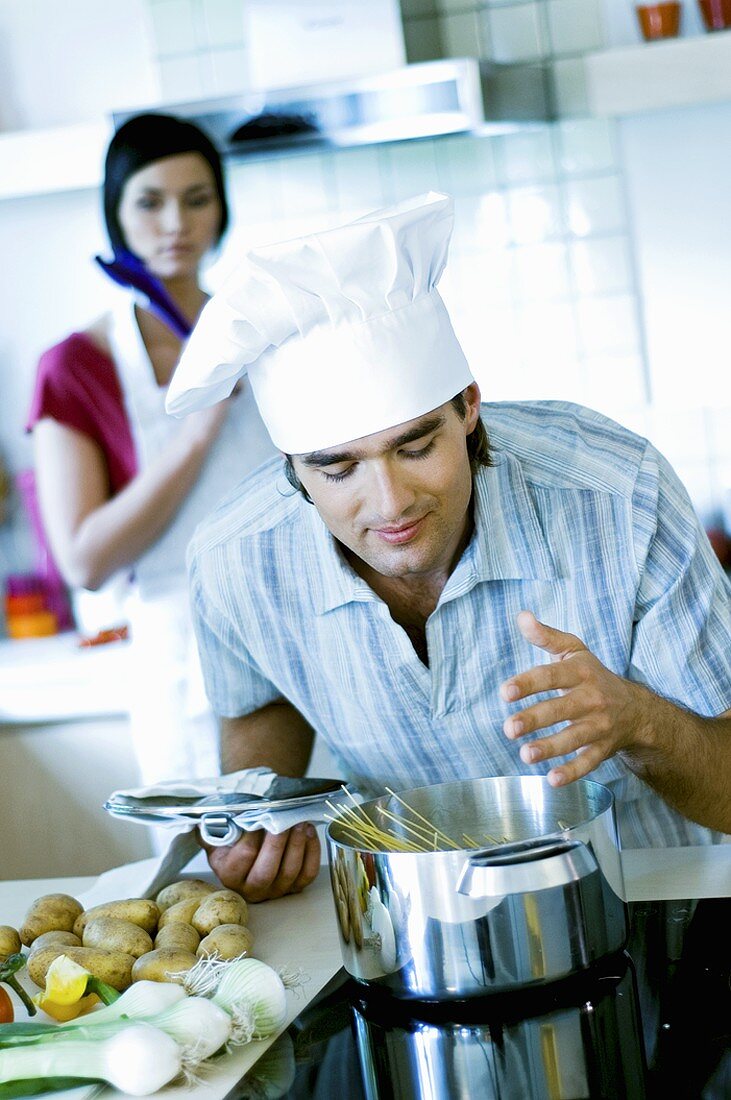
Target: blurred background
<point>587,144</point>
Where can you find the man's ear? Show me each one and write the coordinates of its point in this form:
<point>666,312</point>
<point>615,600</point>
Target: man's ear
<point>472,399</point>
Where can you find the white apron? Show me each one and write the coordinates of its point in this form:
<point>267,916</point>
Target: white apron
<point>174,732</point>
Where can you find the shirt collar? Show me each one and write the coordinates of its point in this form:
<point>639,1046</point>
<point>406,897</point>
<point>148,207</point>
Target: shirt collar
<point>333,582</point>
<point>508,541</point>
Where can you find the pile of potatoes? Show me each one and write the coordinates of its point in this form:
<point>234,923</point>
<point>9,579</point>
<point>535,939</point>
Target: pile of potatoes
<point>126,941</point>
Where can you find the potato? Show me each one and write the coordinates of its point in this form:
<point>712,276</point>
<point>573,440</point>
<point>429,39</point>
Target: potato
<point>180,913</point>
<point>138,911</point>
<point>227,941</point>
<point>50,913</point>
<point>48,938</point>
<point>114,934</point>
<point>179,935</point>
<point>158,965</point>
<point>186,888</point>
<point>112,967</point>
<point>223,907</point>
<point>9,941</point>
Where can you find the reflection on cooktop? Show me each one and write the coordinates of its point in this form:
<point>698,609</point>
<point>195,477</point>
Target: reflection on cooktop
<point>651,1022</point>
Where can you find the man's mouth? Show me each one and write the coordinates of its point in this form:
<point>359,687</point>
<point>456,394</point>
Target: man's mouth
<point>399,533</point>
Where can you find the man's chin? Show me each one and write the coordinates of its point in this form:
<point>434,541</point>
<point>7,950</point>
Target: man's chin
<point>398,562</point>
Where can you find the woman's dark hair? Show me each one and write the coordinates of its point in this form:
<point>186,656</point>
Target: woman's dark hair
<point>142,140</point>
<point>478,448</point>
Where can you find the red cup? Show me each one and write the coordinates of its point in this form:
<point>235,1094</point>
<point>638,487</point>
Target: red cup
<point>716,14</point>
<point>659,20</point>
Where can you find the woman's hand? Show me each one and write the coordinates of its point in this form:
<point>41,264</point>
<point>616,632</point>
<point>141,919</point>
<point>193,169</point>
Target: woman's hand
<point>606,714</point>
<point>264,865</point>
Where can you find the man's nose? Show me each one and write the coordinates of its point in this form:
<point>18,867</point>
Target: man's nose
<point>392,494</point>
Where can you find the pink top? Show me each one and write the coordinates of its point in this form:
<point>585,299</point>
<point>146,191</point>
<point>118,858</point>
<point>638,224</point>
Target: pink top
<point>77,385</point>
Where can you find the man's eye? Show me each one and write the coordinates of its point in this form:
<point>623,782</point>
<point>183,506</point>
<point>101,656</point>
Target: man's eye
<point>338,477</point>
<point>422,451</point>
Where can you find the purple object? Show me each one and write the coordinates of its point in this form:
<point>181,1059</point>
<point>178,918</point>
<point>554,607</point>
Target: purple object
<point>128,271</point>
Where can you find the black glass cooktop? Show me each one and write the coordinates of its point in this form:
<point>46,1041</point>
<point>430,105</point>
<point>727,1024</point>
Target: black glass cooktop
<point>651,1022</point>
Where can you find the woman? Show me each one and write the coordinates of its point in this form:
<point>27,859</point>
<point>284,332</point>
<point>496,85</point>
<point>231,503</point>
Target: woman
<point>121,485</point>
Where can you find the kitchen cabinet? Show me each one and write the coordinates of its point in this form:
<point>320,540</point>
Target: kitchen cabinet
<point>674,72</point>
<point>65,745</point>
<point>56,776</point>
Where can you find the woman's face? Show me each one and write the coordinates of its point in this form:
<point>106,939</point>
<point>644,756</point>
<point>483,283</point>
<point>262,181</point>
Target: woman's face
<point>170,214</point>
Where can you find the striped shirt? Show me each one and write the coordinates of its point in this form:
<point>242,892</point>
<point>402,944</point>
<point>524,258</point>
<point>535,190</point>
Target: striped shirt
<point>578,520</point>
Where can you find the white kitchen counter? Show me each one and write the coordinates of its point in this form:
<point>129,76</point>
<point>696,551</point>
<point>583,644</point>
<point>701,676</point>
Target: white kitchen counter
<point>301,931</point>
<point>298,931</point>
<point>54,679</point>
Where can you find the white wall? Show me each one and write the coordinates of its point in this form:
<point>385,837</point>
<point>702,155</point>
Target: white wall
<point>677,167</point>
<point>73,61</point>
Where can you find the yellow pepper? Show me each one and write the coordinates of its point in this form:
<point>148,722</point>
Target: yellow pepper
<point>64,1013</point>
<point>64,997</point>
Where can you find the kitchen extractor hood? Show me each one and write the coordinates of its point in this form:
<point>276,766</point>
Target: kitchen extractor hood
<point>426,99</point>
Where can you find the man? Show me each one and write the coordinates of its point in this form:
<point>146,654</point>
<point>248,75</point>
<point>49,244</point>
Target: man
<point>390,605</point>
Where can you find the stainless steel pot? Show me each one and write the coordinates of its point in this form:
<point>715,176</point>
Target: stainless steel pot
<point>587,1043</point>
<point>454,924</point>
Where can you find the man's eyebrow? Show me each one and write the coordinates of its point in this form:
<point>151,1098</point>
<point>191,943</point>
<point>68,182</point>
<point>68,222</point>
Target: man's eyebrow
<point>332,458</point>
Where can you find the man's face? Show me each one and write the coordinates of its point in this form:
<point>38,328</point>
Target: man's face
<point>398,499</point>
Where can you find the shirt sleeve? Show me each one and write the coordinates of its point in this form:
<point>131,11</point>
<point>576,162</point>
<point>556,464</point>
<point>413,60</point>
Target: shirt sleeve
<point>235,685</point>
<point>682,634</point>
<point>62,391</point>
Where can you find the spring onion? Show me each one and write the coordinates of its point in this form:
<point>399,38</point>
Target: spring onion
<point>254,995</point>
<point>197,1025</point>
<point>142,1001</point>
<point>138,1060</point>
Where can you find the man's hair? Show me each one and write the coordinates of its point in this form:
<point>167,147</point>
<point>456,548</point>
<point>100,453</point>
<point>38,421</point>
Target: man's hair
<point>478,448</point>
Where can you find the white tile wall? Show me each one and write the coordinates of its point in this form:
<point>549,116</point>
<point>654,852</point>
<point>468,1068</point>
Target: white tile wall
<point>586,146</point>
<point>223,22</point>
<point>514,33</point>
<point>608,325</point>
<point>601,265</point>
<point>460,34</point>
<point>466,165</point>
<point>570,93</point>
<point>182,77</point>
<point>595,206</point>
<point>535,214</point>
<point>174,26</point>
<point>525,157</point>
<point>541,272</point>
<point>574,26</point>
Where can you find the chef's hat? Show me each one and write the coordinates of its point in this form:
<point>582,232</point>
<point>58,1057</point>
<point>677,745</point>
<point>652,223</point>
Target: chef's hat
<point>343,333</point>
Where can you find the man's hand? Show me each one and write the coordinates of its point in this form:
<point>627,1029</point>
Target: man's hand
<point>606,713</point>
<point>263,865</point>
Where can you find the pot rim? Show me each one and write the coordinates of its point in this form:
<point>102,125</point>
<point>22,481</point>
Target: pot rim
<point>600,791</point>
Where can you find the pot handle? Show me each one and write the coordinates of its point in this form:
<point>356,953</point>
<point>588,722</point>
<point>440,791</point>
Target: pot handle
<point>524,866</point>
<point>522,851</point>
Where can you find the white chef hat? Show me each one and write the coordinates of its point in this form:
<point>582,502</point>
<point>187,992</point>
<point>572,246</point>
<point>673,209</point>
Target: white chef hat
<point>343,333</point>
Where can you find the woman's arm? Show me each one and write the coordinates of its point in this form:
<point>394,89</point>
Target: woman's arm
<point>92,535</point>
